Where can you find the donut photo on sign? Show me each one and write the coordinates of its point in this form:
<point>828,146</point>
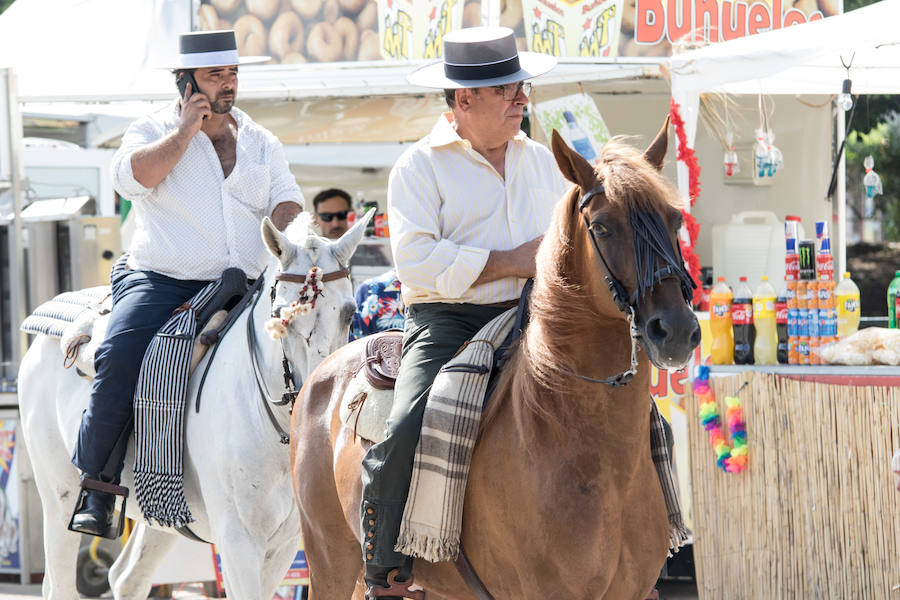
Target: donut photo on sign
<point>297,31</point>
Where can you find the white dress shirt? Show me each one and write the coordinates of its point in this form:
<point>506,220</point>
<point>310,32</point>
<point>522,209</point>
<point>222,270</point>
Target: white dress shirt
<point>197,222</point>
<point>448,208</point>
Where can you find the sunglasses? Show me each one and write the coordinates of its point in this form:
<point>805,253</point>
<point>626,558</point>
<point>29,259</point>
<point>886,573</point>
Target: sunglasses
<point>511,91</point>
<point>327,217</point>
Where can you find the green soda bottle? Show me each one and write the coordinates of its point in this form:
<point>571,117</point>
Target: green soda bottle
<point>892,300</point>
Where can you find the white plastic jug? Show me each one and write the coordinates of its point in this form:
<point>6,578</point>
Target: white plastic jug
<point>751,245</point>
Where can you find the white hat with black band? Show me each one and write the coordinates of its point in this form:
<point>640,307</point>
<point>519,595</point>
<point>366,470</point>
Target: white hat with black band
<point>205,49</point>
<point>481,57</point>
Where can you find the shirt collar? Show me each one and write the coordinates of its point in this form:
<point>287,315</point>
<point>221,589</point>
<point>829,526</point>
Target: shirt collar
<point>444,133</point>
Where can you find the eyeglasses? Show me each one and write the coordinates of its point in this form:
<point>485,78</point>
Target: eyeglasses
<point>511,91</point>
<point>327,217</point>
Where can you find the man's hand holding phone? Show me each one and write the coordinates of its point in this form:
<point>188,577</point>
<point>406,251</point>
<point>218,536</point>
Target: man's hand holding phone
<point>195,107</point>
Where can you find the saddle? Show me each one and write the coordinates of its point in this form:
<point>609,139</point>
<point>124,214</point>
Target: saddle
<point>79,320</point>
<point>368,399</point>
<point>382,360</point>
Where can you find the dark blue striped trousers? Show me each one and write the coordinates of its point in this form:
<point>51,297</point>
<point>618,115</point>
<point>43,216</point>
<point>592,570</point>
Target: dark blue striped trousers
<point>142,303</point>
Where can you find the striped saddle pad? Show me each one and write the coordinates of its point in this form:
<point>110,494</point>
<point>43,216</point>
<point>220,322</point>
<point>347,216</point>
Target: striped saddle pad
<point>53,316</point>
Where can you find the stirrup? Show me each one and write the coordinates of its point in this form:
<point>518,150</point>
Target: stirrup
<point>116,530</point>
<point>399,589</point>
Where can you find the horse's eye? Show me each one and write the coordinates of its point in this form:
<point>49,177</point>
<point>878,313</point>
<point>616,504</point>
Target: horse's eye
<point>599,229</point>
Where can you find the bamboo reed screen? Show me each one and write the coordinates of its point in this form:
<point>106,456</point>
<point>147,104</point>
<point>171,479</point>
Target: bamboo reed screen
<point>816,514</point>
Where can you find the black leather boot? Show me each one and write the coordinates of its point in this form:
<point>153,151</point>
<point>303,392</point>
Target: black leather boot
<point>95,514</point>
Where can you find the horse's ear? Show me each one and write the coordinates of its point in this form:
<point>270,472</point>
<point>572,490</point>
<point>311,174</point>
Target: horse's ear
<point>655,154</point>
<point>346,245</point>
<point>573,166</point>
<point>277,243</point>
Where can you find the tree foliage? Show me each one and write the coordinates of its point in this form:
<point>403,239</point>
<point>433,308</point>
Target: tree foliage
<point>883,143</point>
<point>4,4</point>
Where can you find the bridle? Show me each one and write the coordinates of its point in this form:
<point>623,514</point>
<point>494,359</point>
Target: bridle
<point>627,303</point>
<point>307,297</point>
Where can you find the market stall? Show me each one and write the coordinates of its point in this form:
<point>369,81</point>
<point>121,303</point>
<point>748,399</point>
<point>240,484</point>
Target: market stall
<point>816,513</point>
<point>813,512</point>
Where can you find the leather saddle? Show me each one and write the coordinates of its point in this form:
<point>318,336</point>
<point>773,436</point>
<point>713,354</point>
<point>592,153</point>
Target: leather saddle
<point>382,360</point>
<point>383,350</point>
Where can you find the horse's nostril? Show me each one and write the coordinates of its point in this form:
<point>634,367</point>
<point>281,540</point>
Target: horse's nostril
<point>695,337</point>
<point>656,331</point>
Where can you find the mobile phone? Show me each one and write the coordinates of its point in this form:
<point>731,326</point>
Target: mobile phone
<point>184,78</point>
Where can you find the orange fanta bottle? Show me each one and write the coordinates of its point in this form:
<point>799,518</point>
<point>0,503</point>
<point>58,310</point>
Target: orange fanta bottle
<point>722,348</point>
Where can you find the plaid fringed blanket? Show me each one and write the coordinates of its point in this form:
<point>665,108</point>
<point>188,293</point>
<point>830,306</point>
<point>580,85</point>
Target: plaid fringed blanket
<point>159,402</point>
<point>432,519</point>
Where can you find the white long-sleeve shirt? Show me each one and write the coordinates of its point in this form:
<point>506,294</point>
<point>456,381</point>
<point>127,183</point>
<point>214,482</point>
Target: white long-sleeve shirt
<point>197,222</point>
<point>448,208</point>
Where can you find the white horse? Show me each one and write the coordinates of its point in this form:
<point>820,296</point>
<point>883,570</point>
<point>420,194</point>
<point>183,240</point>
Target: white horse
<point>236,468</point>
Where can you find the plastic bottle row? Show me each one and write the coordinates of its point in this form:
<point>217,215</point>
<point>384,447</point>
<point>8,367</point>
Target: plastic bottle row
<point>789,328</point>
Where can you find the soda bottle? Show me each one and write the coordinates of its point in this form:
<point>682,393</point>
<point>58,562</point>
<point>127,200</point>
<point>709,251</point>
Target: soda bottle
<point>812,320</point>
<point>802,322</point>
<point>742,318</point>
<point>781,326</point>
<point>791,259</point>
<point>793,324</point>
<point>580,140</point>
<point>824,259</point>
<point>893,299</point>
<point>847,296</point>
<point>722,349</point>
<point>765,346</point>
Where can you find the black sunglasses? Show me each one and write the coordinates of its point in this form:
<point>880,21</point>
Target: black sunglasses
<point>341,215</point>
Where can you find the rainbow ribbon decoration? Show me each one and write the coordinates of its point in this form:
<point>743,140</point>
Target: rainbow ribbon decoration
<point>730,458</point>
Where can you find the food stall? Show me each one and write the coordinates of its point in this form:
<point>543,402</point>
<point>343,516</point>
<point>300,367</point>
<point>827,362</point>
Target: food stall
<point>813,513</point>
<point>344,118</point>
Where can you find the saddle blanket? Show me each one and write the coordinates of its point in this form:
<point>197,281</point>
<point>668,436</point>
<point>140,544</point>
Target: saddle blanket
<point>432,519</point>
<point>160,394</point>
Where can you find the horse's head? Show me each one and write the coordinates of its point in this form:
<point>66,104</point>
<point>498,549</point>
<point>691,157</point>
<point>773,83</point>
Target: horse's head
<point>311,293</point>
<point>625,214</point>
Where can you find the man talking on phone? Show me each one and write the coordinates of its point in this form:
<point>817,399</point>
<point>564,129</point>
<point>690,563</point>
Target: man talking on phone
<point>198,204</point>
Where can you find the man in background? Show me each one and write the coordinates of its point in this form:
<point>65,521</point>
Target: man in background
<point>331,208</point>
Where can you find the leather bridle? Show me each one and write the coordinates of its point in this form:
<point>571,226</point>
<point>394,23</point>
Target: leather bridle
<point>291,386</point>
<point>627,303</point>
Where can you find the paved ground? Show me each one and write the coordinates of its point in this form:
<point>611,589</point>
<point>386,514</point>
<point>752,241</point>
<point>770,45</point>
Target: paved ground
<point>668,590</point>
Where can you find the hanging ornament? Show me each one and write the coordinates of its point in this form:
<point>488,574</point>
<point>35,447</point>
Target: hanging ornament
<point>731,159</point>
<point>775,158</point>
<point>761,153</point>
<point>731,458</point>
<point>872,180</point>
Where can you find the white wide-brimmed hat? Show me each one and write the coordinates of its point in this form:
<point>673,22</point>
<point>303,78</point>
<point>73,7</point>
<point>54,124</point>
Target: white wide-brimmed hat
<point>204,49</point>
<point>481,57</point>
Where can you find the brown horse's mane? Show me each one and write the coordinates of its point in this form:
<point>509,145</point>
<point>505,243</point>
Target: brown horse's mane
<point>560,306</point>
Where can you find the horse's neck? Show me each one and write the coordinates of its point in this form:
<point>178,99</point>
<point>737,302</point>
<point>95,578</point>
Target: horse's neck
<point>612,421</point>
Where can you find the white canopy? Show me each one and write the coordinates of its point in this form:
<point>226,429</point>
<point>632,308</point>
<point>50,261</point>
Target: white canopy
<point>803,59</point>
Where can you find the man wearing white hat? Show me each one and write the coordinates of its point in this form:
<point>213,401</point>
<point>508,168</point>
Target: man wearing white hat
<point>468,205</point>
<point>198,204</point>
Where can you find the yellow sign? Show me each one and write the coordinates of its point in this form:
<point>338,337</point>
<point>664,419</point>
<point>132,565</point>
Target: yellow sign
<point>416,29</point>
<point>582,28</point>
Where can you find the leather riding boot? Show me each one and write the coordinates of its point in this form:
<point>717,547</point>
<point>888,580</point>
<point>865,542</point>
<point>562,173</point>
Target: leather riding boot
<point>95,515</point>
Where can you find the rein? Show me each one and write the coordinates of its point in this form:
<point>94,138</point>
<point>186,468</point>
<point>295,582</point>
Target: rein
<point>627,303</point>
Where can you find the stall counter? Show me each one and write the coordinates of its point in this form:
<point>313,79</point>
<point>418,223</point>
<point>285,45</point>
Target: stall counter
<point>816,513</point>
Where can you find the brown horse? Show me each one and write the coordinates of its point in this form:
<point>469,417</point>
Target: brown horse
<point>562,500</point>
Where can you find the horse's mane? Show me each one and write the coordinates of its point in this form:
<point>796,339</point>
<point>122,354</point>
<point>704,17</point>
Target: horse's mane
<point>560,307</point>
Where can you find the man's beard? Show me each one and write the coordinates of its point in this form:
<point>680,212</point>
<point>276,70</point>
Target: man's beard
<point>221,105</point>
